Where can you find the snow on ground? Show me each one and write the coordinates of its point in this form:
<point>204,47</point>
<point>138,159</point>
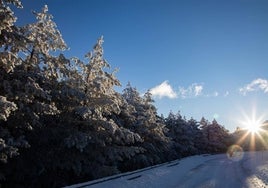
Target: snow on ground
<point>256,166</point>
<point>203,171</point>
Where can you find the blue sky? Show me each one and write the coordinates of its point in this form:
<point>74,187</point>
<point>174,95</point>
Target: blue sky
<point>204,58</point>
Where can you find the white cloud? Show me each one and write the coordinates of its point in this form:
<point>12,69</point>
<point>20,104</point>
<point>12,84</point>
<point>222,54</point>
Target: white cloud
<point>255,85</point>
<point>212,94</point>
<point>198,90</point>
<point>226,94</point>
<point>163,90</point>
<point>193,90</point>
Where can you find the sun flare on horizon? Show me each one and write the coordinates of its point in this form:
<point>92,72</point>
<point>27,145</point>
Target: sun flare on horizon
<point>253,126</point>
<point>253,131</point>
<point>251,123</point>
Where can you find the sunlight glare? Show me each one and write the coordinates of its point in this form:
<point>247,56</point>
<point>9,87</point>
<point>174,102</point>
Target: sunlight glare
<point>253,126</point>
<point>251,123</point>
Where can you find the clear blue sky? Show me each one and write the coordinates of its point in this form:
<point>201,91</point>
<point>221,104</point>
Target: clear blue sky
<point>205,58</point>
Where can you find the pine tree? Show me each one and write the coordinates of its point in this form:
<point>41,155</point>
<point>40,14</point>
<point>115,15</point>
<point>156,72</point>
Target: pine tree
<point>184,134</point>
<point>140,115</point>
<point>10,38</point>
<point>99,83</point>
<point>216,137</point>
<point>9,48</point>
<point>43,37</point>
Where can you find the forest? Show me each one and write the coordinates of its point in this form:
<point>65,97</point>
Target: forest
<point>62,122</point>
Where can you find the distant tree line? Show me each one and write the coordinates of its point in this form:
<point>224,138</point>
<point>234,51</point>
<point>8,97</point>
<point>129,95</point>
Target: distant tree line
<point>62,122</point>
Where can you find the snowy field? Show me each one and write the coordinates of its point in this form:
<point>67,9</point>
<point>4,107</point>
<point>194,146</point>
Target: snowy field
<point>249,170</point>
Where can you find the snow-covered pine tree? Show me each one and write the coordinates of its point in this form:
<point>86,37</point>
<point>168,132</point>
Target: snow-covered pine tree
<point>31,83</point>
<point>25,87</point>
<point>10,37</point>
<point>43,38</point>
<point>9,48</point>
<point>100,84</point>
<point>180,133</point>
<point>95,144</point>
<point>10,45</point>
<point>216,137</point>
<point>140,116</point>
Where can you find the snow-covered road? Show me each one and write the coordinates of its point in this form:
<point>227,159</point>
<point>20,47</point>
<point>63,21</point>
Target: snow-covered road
<point>205,171</point>
<point>219,172</point>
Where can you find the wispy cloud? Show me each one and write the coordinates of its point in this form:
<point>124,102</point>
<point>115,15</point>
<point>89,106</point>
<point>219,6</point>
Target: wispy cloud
<point>194,90</point>
<point>213,94</point>
<point>163,90</point>
<point>226,94</point>
<point>191,91</point>
<point>255,85</point>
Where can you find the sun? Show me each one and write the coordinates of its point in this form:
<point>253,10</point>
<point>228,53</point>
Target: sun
<point>252,123</point>
<point>253,131</point>
<point>253,126</point>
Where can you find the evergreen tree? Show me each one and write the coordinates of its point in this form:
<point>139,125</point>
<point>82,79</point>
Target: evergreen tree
<point>10,37</point>
<point>184,134</point>
<point>216,137</point>
<point>140,116</point>
<point>9,49</point>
